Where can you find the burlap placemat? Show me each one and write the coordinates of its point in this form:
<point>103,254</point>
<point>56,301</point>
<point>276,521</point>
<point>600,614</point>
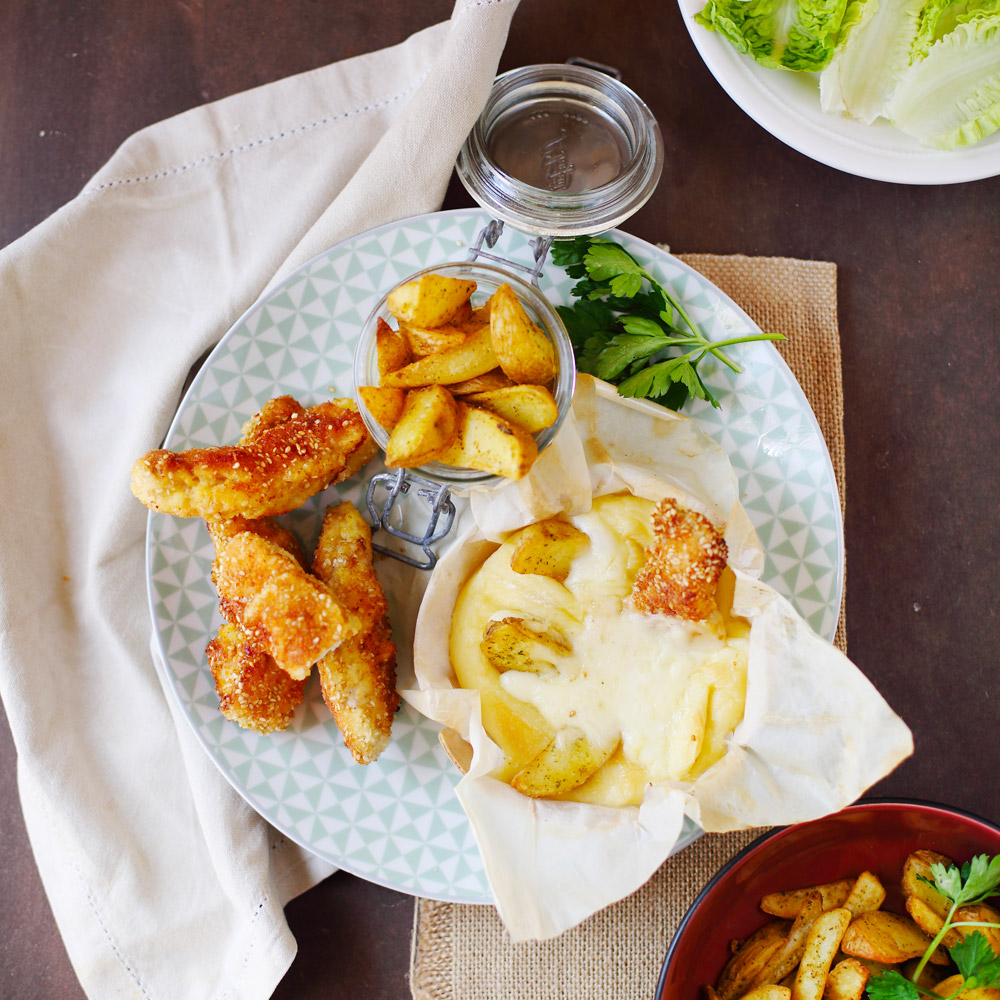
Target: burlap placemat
<point>461,952</point>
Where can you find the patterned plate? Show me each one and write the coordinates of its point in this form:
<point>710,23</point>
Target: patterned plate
<point>397,822</point>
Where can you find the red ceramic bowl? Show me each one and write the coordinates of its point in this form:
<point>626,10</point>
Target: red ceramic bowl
<point>876,835</point>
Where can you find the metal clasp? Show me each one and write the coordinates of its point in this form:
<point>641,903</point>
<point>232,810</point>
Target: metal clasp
<point>436,495</point>
<point>489,235</point>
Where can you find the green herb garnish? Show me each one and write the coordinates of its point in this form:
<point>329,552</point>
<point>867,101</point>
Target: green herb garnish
<point>975,881</point>
<point>628,329</point>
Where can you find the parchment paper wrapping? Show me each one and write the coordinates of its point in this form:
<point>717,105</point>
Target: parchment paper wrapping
<point>815,733</point>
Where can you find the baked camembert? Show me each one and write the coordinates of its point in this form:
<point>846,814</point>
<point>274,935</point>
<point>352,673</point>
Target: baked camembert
<point>604,650</point>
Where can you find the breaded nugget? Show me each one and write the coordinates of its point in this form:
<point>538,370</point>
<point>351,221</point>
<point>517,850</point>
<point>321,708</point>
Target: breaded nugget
<point>277,470</point>
<point>275,411</point>
<point>253,690</point>
<point>683,565</point>
<point>358,677</point>
<point>265,527</point>
<point>287,612</point>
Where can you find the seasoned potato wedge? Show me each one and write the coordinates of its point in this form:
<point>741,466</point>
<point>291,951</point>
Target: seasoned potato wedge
<point>788,956</point>
<point>569,760</point>
<point>529,406</point>
<point>866,894</point>
<point>512,644</point>
<point>474,356</point>
<point>979,913</point>
<point>846,981</point>
<point>428,423</point>
<point>930,975</point>
<point>481,383</point>
<point>948,986</point>
<point>548,548</point>
<point>384,402</point>
<point>787,904</point>
<point>489,443</point>
<point>927,919</point>
<point>771,992</point>
<point>888,937</point>
<point>524,352</point>
<point>431,340</point>
<point>822,945</point>
<point>918,880</point>
<point>391,350</point>
<point>431,300</point>
<point>750,958</point>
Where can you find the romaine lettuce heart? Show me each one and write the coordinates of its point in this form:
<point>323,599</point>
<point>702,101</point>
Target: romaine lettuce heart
<point>778,34</point>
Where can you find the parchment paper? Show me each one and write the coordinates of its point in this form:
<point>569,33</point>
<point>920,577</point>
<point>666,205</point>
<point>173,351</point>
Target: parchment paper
<point>815,732</point>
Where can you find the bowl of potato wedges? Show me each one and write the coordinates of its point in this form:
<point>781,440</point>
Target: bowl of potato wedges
<point>885,900</point>
<point>464,372</point>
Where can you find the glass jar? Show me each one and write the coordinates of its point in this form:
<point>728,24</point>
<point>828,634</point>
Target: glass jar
<point>488,278</point>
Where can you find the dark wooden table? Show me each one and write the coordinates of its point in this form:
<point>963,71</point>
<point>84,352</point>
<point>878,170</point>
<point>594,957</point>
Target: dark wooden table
<point>919,320</point>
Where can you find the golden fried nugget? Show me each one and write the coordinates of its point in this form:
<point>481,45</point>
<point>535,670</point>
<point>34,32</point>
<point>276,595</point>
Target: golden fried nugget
<point>286,611</point>
<point>281,466</point>
<point>275,411</point>
<point>683,565</point>
<point>358,677</point>
<point>265,527</point>
<point>253,690</point>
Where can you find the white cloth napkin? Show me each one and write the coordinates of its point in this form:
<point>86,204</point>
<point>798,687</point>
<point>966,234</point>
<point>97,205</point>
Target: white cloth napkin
<point>164,883</point>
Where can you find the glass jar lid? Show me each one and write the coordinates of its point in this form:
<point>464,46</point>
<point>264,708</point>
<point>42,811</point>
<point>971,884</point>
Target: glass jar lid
<point>562,150</point>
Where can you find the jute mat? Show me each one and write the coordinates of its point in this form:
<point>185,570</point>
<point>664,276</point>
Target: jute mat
<point>462,952</point>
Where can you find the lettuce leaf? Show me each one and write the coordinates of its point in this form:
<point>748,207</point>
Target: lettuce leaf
<point>951,98</point>
<point>940,17</point>
<point>874,55</point>
<point>778,34</point>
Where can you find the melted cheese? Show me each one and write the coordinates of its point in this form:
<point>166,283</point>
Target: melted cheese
<point>668,691</point>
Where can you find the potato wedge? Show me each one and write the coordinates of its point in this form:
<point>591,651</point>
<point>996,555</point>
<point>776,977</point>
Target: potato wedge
<point>948,986</point>
<point>866,894</point>
<point>788,956</point>
<point>512,644</point>
<point>548,548</point>
<point>887,937</point>
<point>529,406</point>
<point>821,946</point>
<point>873,967</point>
<point>384,403</point>
<point>566,762</point>
<point>748,960</point>
<point>430,300</point>
<point>979,913</point>
<point>846,981</point>
<point>431,340</point>
<point>481,383</point>
<point>428,423</point>
<point>474,356</point>
<point>489,443</point>
<point>930,975</point>
<point>770,992</point>
<point>918,880</point>
<point>927,919</point>
<point>524,352</point>
<point>481,314</point>
<point>787,904</point>
<point>391,349</point>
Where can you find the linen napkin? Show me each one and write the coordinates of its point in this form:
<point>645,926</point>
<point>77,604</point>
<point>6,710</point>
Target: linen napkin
<point>164,883</point>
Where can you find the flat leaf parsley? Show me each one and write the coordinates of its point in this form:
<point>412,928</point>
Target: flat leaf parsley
<point>629,330</point>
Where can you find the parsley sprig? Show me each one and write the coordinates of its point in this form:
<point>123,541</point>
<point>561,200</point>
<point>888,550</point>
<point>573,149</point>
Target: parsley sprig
<point>629,330</point>
<point>974,882</point>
